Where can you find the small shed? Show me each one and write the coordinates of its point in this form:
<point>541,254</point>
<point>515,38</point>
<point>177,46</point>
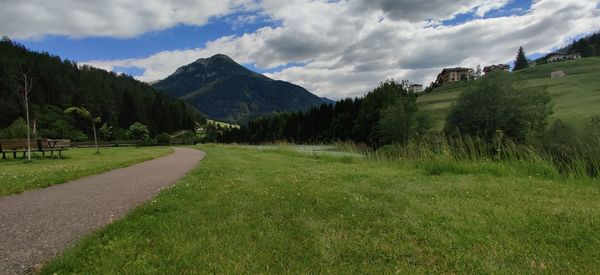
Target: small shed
<point>557,74</point>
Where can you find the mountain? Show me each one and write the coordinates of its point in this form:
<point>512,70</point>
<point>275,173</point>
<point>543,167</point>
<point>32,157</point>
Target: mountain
<point>225,90</point>
<point>119,100</point>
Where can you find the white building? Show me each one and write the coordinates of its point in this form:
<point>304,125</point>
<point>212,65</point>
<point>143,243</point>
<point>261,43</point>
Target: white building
<point>563,57</point>
<point>415,88</point>
<point>557,74</point>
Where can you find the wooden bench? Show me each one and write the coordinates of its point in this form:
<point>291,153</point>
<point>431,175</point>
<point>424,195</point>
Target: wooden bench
<point>15,146</point>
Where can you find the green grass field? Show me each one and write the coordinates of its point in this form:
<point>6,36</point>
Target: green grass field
<point>245,210</point>
<point>576,97</point>
<point>17,175</point>
<point>223,124</point>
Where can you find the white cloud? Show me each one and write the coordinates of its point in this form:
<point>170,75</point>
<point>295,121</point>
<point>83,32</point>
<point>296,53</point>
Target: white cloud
<point>350,46</point>
<point>116,18</point>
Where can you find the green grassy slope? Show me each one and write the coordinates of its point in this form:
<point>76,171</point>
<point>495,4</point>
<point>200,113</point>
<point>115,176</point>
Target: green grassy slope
<point>277,211</point>
<point>576,97</point>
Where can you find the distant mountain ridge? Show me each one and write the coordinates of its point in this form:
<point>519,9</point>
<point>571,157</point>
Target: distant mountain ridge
<point>225,90</point>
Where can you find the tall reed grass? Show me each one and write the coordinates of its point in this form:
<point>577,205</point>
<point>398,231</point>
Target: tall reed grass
<point>576,157</point>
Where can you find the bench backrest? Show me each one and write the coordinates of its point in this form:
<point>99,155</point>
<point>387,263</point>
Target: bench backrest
<point>15,144</point>
<point>36,145</point>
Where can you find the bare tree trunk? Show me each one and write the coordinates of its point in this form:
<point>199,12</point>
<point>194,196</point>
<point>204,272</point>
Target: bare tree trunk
<point>34,128</point>
<point>23,93</point>
<point>28,128</point>
<point>95,138</point>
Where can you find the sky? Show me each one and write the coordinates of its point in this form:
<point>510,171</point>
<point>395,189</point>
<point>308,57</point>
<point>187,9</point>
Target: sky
<point>335,49</point>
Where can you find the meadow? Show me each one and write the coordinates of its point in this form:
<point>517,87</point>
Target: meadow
<point>18,175</point>
<point>575,97</point>
<point>286,210</point>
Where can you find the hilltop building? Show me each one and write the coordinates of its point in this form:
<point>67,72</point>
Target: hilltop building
<point>415,88</point>
<point>557,57</point>
<point>498,67</point>
<point>449,75</point>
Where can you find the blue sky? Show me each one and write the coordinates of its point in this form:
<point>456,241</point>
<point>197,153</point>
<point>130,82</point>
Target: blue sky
<point>178,37</point>
<point>333,48</point>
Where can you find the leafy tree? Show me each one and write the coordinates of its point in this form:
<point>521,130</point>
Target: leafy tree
<point>394,125</point>
<point>521,62</point>
<point>86,115</point>
<point>18,129</point>
<point>494,103</point>
<point>367,122</point>
<point>106,132</point>
<point>423,124</point>
<point>138,132</point>
<point>163,139</point>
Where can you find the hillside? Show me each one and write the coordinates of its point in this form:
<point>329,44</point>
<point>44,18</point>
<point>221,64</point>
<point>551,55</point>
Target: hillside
<point>576,97</point>
<point>224,90</point>
<point>118,100</point>
<point>587,46</point>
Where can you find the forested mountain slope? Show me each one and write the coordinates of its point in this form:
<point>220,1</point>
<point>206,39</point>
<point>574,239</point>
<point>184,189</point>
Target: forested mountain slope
<point>119,100</point>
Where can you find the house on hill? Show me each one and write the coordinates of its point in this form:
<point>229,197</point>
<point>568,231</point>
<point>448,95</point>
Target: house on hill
<point>449,75</point>
<point>415,88</point>
<point>557,57</point>
<point>498,67</point>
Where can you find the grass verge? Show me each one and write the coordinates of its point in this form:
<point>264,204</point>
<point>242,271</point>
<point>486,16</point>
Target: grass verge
<point>18,175</point>
<point>283,211</point>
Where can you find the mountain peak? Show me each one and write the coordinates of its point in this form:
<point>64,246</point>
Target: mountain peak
<point>223,89</point>
<point>205,61</point>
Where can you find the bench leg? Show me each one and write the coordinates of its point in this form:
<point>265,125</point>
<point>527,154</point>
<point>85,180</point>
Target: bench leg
<point>24,154</point>
<point>51,153</point>
<point>14,154</point>
<point>43,153</point>
<point>3,155</point>
<point>59,154</point>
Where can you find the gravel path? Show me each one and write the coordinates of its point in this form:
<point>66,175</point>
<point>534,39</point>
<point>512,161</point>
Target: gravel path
<point>38,225</point>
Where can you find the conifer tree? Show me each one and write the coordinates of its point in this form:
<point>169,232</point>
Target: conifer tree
<point>521,62</point>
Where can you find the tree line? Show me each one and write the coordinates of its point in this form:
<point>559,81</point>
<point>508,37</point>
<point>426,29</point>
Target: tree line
<point>118,100</point>
<point>388,114</point>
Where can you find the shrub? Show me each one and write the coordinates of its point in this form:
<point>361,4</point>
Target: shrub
<point>147,141</point>
<point>191,138</point>
<point>106,132</point>
<point>18,129</point>
<point>494,103</point>
<point>163,139</point>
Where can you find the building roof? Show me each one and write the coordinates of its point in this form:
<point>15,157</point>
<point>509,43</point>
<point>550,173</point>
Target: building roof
<point>458,69</point>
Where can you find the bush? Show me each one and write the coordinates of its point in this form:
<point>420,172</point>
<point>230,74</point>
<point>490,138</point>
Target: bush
<point>18,129</point>
<point>191,138</point>
<point>148,142</point>
<point>106,132</point>
<point>163,139</point>
<point>494,103</point>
